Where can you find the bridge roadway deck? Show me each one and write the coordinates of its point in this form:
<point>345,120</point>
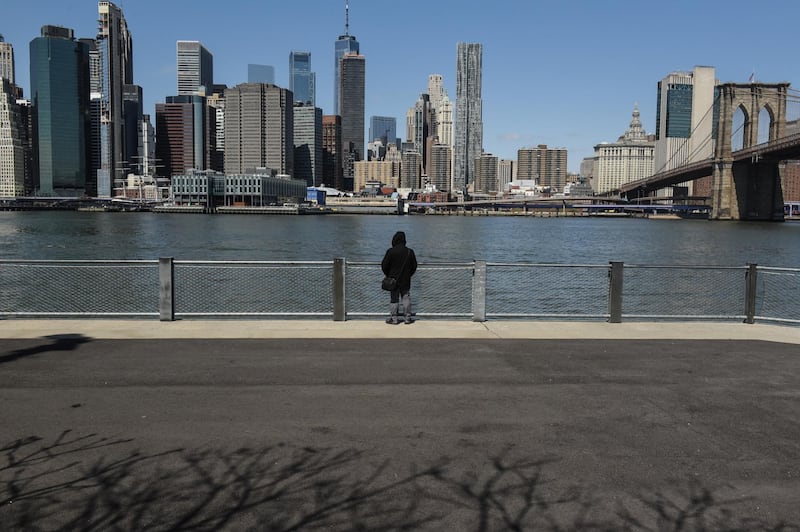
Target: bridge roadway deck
<point>439,425</point>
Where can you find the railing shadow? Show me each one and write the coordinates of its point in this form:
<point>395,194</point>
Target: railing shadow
<point>58,342</point>
<point>92,483</point>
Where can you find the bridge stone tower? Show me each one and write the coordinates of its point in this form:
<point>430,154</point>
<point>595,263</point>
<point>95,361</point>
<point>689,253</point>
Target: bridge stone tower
<point>748,189</point>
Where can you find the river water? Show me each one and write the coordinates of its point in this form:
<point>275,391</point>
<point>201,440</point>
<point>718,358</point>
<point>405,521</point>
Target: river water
<point>589,240</point>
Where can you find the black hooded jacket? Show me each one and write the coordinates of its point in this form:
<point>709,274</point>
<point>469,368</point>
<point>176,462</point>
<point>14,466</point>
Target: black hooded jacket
<point>400,262</point>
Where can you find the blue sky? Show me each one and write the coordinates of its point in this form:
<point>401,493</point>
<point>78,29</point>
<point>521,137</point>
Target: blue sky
<point>565,73</point>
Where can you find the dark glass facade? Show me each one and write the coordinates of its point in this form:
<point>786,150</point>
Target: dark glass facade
<point>59,76</point>
<point>679,111</point>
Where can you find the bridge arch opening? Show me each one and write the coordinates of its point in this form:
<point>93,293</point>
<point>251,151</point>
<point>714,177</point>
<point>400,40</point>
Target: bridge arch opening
<point>765,119</point>
<point>739,128</point>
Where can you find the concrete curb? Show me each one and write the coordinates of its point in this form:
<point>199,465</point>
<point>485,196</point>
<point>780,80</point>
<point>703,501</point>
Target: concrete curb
<point>372,329</point>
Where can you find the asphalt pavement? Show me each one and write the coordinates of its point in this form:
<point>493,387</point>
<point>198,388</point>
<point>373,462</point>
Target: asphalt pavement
<point>360,425</point>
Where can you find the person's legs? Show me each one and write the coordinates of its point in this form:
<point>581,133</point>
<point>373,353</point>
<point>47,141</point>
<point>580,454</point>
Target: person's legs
<point>393,307</point>
<point>407,307</point>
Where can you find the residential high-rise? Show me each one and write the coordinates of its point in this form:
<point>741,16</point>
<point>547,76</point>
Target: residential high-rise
<point>59,74</point>
<point>6,60</point>
<point>261,74</point>
<point>345,44</point>
<point>182,131</point>
<point>440,167</point>
<point>12,142</point>
<point>115,49</point>
<point>628,159</point>
<point>259,128</point>
<point>546,166</point>
<point>302,82</point>
<point>686,113</point>
<point>332,151</point>
<point>383,128</point>
<point>469,115</point>
<point>308,144</point>
<point>351,106</point>
<point>486,174</point>
<point>195,68</point>
<point>410,170</point>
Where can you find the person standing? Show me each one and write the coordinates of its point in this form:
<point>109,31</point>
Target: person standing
<point>401,263</point>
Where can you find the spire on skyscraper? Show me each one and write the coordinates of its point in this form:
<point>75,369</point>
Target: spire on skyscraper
<point>635,130</point>
<point>347,17</point>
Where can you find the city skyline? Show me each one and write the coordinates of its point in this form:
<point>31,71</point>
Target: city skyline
<point>564,75</point>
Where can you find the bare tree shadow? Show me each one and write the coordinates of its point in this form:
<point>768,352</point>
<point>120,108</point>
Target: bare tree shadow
<point>92,483</point>
<point>58,342</point>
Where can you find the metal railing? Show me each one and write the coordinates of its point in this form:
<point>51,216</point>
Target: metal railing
<point>339,290</point>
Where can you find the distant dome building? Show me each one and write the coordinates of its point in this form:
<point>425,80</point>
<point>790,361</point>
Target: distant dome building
<point>628,159</point>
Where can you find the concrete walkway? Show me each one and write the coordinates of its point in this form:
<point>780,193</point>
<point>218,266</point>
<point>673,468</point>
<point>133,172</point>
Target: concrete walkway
<point>360,425</point>
<point>220,329</point>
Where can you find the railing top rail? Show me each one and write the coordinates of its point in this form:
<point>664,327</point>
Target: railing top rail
<point>683,267</point>
<point>420,264</point>
<point>77,261</point>
<point>255,262</point>
<point>544,265</point>
<point>774,269</point>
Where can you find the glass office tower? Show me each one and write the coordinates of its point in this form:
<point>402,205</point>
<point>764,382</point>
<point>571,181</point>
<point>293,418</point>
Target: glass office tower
<point>301,80</point>
<point>59,75</point>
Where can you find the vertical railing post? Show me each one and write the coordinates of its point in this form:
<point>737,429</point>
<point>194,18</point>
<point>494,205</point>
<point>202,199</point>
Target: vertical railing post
<point>751,286</point>
<point>615,271</point>
<point>479,291</point>
<point>339,310</point>
<point>166,292</point>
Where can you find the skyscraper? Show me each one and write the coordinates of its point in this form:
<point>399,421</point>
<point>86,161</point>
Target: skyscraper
<point>261,74</point>
<point>115,49</point>
<point>6,60</point>
<point>12,142</point>
<point>420,127</point>
<point>259,128</point>
<point>351,108</point>
<point>302,82</point>
<point>383,128</point>
<point>195,68</point>
<point>59,74</point>
<point>182,133</point>
<point>345,44</point>
<point>133,110</point>
<point>685,118</point>
<point>332,151</point>
<point>308,144</point>
<point>469,114</point>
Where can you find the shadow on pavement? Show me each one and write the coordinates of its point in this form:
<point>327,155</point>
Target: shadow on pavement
<point>94,483</point>
<point>58,342</point>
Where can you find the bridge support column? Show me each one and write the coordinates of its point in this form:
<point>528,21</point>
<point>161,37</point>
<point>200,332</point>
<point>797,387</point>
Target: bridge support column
<point>747,190</point>
<point>724,201</point>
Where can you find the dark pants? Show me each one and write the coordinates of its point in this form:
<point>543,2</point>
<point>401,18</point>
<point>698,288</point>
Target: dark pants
<point>396,296</point>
